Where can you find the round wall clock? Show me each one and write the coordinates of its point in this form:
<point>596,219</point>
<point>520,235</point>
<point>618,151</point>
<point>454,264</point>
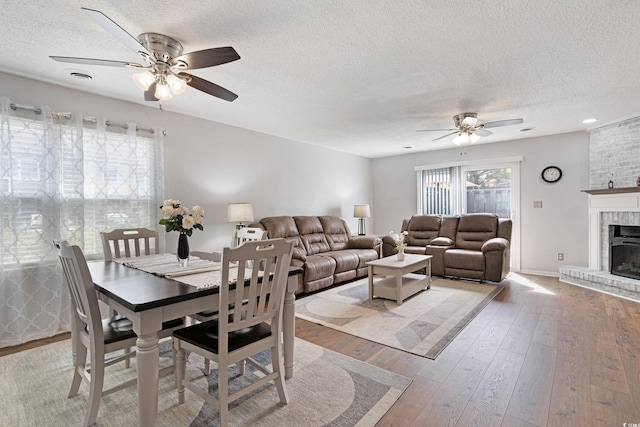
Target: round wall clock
<point>551,174</point>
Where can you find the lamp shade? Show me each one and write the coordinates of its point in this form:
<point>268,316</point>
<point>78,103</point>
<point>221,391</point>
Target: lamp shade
<point>361,211</point>
<point>239,212</point>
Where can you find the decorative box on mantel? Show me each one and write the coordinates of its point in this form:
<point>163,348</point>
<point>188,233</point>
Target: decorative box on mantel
<point>606,207</point>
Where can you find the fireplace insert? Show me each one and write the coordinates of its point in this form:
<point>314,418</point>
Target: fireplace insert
<point>624,250</point>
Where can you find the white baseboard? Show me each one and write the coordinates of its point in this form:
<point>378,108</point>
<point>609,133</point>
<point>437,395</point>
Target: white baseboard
<point>541,273</point>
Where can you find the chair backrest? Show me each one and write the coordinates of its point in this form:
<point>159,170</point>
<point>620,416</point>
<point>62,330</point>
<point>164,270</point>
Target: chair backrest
<point>264,290</point>
<point>83,294</point>
<point>247,234</point>
<point>127,242</point>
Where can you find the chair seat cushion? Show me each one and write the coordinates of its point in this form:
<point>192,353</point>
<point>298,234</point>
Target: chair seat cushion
<point>118,328</point>
<point>205,335</point>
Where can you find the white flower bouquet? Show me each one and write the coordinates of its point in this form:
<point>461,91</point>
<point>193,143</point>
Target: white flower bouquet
<point>176,217</point>
<point>399,239</point>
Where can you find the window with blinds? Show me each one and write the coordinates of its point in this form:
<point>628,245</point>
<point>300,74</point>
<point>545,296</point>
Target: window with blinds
<point>437,186</point>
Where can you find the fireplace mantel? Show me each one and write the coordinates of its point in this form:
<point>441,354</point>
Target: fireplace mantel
<point>607,200</point>
<point>612,191</point>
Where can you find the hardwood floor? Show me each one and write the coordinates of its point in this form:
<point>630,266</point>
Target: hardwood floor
<point>542,353</point>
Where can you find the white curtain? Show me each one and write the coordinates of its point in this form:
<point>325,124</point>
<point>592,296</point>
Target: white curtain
<point>64,176</point>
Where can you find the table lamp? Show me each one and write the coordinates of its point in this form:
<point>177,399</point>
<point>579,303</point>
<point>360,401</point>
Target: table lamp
<point>361,212</point>
<point>239,212</point>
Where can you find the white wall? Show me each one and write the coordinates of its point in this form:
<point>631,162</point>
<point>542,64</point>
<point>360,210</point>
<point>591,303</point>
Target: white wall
<point>561,224</point>
<point>213,164</point>
<point>203,165</point>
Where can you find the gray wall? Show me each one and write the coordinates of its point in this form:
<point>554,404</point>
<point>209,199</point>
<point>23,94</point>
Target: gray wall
<point>561,224</point>
<point>213,164</point>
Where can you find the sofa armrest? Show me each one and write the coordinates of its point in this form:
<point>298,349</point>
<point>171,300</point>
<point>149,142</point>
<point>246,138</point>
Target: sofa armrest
<point>495,244</point>
<point>364,242</point>
<point>441,241</point>
<point>299,254</point>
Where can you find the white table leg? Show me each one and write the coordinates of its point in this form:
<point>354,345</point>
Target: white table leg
<point>289,325</point>
<point>147,360</point>
<point>399,288</point>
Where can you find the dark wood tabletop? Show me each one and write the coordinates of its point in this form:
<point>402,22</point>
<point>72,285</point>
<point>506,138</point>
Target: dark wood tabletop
<point>138,290</point>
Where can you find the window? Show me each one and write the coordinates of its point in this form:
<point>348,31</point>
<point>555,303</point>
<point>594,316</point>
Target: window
<point>473,187</point>
<point>466,189</point>
<point>488,190</point>
<point>89,182</point>
<point>64,177</point>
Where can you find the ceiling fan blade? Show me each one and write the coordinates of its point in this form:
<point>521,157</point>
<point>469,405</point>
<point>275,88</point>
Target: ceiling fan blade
<point>116,30</point>
<point>149,94</point>
<point>90,61</point>
<point>502,123</point>
<point>210,88</point>
<point>444,136</point>
<point>436,130</point>
<point>206,58</point>
<point>482,132</point>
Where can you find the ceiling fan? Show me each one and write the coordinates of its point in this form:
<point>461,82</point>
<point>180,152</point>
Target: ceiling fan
<point>469,130</point>
<point>165,63</point>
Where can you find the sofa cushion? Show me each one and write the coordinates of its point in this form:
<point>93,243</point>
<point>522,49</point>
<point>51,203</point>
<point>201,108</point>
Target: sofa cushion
<point>475,229</point>
<point>318,267</point>
<point>449,226</point>
<point>285,227</point>
<point>422,229</point>
<point>344,260</point>
<point>464,259</point>
<point>311,234</point>
<point>336,232</point>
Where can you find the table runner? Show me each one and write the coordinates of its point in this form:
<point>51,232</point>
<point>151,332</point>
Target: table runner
<point>200,273</point>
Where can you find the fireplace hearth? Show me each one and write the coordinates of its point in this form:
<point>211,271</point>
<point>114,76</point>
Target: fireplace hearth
<point>624,250</point>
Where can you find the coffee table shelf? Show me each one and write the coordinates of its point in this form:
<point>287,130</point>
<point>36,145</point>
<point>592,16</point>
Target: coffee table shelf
<point>400,280</point>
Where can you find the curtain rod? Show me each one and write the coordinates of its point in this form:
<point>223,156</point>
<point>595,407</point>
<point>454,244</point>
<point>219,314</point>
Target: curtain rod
<point>87,119</point>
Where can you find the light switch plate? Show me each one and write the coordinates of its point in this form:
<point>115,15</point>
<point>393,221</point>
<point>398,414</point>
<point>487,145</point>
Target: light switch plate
<point>537,203</point>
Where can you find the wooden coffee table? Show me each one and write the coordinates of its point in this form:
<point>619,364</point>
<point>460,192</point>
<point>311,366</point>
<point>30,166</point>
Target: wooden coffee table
<point>401,282</point>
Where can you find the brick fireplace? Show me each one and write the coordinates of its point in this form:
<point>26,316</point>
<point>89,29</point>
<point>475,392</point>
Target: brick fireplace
<point>606,207</point>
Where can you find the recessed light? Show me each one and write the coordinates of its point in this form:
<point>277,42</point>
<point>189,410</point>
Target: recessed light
<point>587,121</point>
<point>526,129</point>
<point>407,147</point>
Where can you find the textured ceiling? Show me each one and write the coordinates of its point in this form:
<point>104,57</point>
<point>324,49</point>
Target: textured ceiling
<point>360,76</point>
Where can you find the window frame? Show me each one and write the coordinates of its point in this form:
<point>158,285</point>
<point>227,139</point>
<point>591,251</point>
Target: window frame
<point>458,199</point>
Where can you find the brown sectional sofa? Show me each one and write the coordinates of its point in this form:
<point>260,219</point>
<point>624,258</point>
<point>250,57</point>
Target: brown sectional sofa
<point>473,246</point>
<point>324,248</point>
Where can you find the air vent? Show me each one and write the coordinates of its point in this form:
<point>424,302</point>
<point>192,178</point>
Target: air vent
<point>80,75</point>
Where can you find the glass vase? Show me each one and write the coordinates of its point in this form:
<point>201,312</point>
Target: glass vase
<point>401,254</point>
<point>183,250</point>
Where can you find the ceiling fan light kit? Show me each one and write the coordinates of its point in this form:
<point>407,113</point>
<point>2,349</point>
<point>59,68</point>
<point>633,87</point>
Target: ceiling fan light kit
<point>163,74</point>
<point>469,130</point>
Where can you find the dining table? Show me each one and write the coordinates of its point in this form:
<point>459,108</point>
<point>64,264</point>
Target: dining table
<point>149,299</point>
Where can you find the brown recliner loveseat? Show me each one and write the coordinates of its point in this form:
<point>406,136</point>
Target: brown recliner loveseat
<point>473,246</point>
<point>324,248</point>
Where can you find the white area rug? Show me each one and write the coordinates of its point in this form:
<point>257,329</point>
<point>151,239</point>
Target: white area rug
<point>328,389</point>
<point>424,324</point>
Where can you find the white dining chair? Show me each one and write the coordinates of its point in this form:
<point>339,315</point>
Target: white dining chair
<point>238,334</point>
<point>246,234</point>
<point>127,242</point>
<point>90,333</point>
